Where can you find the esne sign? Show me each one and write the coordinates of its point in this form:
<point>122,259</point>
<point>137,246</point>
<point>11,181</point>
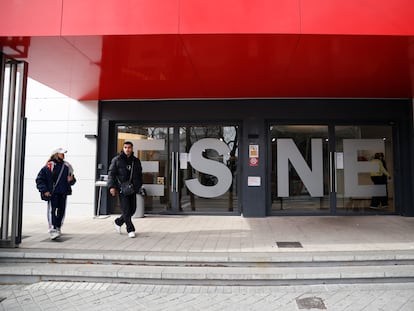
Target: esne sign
<point>287,152</point>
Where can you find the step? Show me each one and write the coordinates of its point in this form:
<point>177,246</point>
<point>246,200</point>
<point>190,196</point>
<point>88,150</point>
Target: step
<point>36,272</point>
<point>33,265</point>
<point>210,258</point>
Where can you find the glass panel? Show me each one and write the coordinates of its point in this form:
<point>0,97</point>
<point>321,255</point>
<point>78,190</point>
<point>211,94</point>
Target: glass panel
<point>365,155</point>
<point>206,170</point>
<point>153,146</point>
<point>300,166</point>
<point>206,186</point>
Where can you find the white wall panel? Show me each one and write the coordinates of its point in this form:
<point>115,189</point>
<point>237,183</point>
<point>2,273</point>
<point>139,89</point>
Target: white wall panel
<point>45,126</point>
<point>42,144</point>
<point>84,167</point>
<point>38,90</point>
<point>62,126</point>
<point>88,110</point>
<point>55,120</point>
<point>48,109</point>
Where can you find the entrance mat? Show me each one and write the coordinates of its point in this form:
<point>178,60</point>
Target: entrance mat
<point>289,245</point>
<point>59,239</point>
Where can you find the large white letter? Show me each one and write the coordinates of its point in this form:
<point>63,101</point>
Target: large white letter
<point>352,167</point>
<point>211,167</point>
<point>312,179</point>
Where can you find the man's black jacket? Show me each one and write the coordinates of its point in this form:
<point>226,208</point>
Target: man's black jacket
<point>120,170</point>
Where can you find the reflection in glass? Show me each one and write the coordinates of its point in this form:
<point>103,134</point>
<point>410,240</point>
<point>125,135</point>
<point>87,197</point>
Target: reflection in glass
<point>154,146</point>
<point>377,185</point>
<point>189,202</point>
<point>299,198</point>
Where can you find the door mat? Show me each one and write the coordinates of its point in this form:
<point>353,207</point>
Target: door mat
<point>289,245</point>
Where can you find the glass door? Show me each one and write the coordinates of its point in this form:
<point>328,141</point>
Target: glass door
<point>190,169</point>
<point>300,169</point>
<point>154,146</point>
<point>364,169</point>
<point>208,169</point>
<point>332,169</point>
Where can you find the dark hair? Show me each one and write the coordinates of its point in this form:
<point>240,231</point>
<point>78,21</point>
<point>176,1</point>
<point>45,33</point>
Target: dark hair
<point>128,143</point>
<point>53,157</point>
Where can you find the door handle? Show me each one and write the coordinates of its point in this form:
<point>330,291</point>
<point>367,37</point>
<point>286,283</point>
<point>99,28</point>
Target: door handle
<point>174,171</point>
<point>177,167</point>
<point>332,172</point>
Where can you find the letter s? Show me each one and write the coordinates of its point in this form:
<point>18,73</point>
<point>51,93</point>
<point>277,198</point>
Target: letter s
<point>211,167</point>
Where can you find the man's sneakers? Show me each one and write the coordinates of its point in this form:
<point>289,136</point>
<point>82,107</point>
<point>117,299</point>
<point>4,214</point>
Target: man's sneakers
<point>117,228</point>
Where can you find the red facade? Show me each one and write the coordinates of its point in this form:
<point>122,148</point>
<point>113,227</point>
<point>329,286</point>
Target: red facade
<point>145,49</point>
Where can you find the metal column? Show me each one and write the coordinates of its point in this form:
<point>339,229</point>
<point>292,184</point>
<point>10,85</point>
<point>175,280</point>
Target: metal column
<point>12,141</point>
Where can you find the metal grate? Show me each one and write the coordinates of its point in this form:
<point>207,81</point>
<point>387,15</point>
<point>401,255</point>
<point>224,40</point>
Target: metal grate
<point>310,303</point>
<point>289,245</point>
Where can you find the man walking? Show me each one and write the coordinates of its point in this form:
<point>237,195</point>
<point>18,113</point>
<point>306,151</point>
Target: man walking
<point>125,179</point>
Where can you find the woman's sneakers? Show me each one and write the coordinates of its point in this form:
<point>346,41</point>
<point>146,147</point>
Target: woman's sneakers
<point>131,234</point>
<point>54,234</point>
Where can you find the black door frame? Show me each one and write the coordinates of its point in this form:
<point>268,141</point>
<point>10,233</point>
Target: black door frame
<point>332,169</point>
<point>175,126</point>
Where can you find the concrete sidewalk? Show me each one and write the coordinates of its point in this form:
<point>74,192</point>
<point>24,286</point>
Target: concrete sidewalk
<point>367,259</point>
<point>227,234</point>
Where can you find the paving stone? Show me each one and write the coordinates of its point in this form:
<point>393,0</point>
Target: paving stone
<point>355,297</point>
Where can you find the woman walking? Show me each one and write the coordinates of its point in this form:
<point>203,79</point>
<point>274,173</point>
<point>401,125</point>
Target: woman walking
<point>54,183</point>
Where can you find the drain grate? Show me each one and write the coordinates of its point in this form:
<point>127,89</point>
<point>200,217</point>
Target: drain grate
<point>289,245</point>
<point>310,303</point>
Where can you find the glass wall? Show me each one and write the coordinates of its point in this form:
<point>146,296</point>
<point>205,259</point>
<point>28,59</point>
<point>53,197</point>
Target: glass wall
<point>299,169</point>
<point>332,169</point>
<point>190,169</point>
<point>364,169</point>
<point>208,182</point>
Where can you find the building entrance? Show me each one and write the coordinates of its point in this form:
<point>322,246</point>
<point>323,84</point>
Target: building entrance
<point>266,157</point>
<point>186,169</point>
<point>320,169</point>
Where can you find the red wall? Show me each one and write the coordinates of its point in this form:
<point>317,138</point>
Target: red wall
<point>129,49</point>
<point>114,17</point>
